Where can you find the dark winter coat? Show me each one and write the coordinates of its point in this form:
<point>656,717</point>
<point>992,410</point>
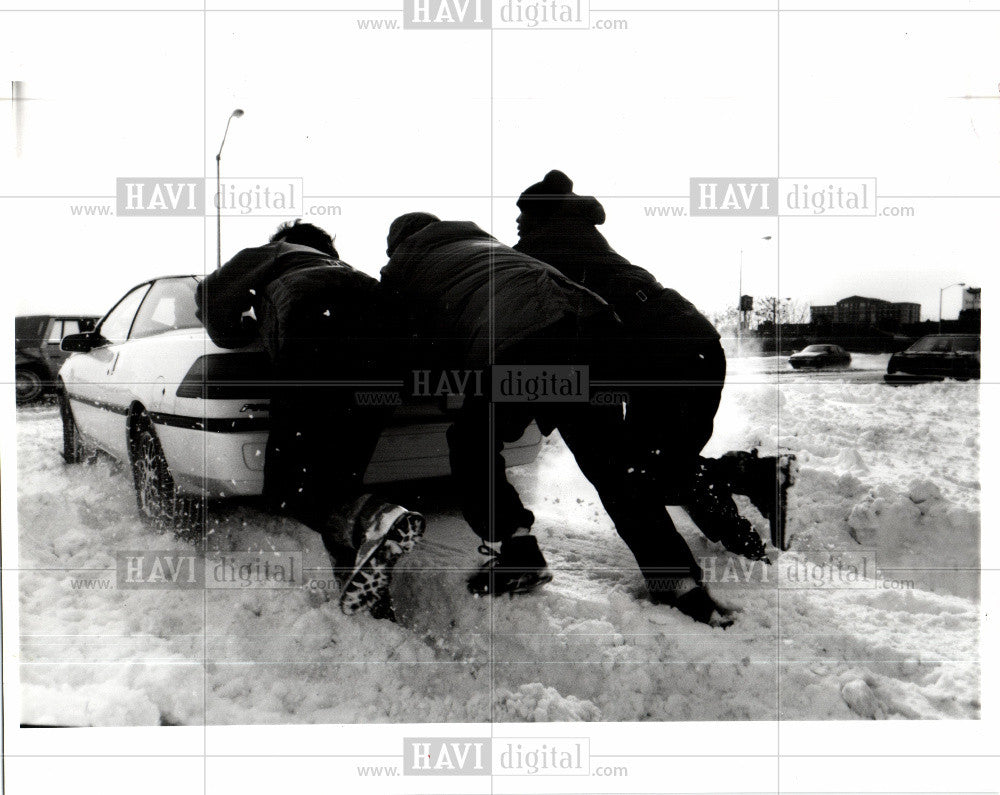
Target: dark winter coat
<point>317,318</point>
<point>662,336</point>
<point>648,310</point>
<point>307,305</point>
<point>456,288</point>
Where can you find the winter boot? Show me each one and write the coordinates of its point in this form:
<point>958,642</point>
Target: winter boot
<point>519,567</point>
<point>383,534</point>
<point>711,507</point>
<point>697,603</point>
<point>765,481</point>
<point>724,524</point>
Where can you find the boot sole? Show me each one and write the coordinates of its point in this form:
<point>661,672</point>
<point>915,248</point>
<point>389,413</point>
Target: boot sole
<point>371,576</point>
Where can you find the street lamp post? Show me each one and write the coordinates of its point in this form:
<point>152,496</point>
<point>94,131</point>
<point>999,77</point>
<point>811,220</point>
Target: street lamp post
<point>218,188</point>
<point>941,301</point>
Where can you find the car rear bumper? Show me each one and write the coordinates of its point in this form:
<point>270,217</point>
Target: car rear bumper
<point>214,464</point>
<point>931,370</point>
<point>908,378</point>
<point>217,464</point>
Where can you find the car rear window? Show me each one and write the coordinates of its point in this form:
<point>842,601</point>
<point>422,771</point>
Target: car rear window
<point>169,305</point>
<point>931,345</point>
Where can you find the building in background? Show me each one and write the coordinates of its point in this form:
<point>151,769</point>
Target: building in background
<point>822,315</point>
<point>858,310</point>
<point>970,317</point>
<point>907,312</point>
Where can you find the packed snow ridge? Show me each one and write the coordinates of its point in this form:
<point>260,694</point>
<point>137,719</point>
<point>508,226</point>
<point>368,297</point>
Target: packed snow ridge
<point>873,612</point>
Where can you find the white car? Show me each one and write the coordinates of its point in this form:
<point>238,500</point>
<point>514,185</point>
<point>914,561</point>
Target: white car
<point>149,387</point>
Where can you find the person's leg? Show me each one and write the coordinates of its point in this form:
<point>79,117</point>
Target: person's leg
<point>631,498</point>
<point>320,451</point>
<point>292,466</point>
<point>670,420</point>
<point>765,480</point>
<point>490,504</point>
<point>364,534</point>
<point>671,411</point>
<point>712,508</point>
<point>340,446</point>
<point>618,451</point>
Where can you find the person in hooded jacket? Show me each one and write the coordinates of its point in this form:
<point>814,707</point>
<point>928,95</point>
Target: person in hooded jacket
<point>318,320</point>
<point>672,359</point>
<point>467,302</point>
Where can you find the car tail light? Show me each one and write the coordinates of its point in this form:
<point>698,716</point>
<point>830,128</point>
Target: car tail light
<point>227,376</point>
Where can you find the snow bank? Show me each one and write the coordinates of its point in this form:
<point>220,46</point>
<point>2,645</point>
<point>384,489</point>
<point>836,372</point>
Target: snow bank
<point>872,614</point>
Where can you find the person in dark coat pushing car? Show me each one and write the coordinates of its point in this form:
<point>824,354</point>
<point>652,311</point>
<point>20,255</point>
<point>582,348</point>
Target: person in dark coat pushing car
<point>468,302</point>
<point>671,357</point>
<point>318,319</point>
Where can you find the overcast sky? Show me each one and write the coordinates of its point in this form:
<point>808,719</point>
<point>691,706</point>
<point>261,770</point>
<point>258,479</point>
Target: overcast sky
<point>378,123</point>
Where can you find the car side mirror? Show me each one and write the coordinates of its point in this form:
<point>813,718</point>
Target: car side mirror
<point>80,343</point>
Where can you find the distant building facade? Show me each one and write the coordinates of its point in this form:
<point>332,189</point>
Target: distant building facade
<point>858,310</point>
<point>907,312</point>
<point>972,298</point>
<point>822,314</point>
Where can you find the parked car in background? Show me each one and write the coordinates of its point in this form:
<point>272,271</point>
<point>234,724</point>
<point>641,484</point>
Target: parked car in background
<point>148,387</point>
<point>820,356</point>
<point>937,356</point>
<point>37,352</point>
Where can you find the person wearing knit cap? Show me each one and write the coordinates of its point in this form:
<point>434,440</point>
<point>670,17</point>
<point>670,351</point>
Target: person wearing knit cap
<point>470,303</point>
<point>664,339</point>
<point>554,196</point>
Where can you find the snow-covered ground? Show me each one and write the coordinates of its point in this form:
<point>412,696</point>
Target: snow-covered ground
<point>872,613</point>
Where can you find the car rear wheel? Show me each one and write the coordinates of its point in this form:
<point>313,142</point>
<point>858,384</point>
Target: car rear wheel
<point>74,451</point>
<point>155,492</point>
<point>28,385</point>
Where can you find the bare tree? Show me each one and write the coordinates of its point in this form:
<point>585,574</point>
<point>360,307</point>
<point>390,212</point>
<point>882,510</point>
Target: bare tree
<point>783,311</point>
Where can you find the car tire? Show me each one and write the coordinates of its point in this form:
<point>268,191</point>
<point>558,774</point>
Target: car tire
<point>73,451</point>
<point>28,385</point>
<point>155,492</point>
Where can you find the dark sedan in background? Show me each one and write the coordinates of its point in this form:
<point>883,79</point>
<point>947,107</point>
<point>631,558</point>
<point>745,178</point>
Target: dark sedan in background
<point>37,352</point>
<point>935,357</point>
<point>820,356</point>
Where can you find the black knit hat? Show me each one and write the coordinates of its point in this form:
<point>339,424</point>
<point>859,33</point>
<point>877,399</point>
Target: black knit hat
<point>555,194</point>
<point>404,226</point>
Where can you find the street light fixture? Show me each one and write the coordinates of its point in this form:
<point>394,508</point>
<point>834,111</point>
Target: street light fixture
<point>941,301</point>
<point>218,188</point>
